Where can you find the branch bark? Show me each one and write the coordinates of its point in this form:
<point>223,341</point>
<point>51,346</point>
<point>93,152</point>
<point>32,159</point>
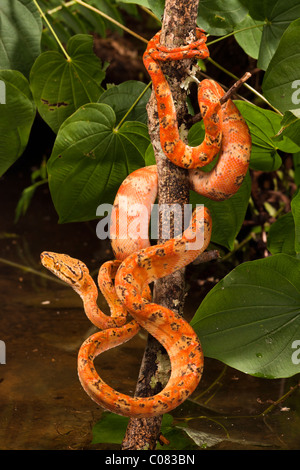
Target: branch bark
<point>178,28</point>
<point>225,97</point>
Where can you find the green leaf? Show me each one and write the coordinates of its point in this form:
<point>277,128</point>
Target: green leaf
<point>122,97</point>
<point>251,319</point>
<point>149,156</point>
<point>290,127</point>
<point>277,16</point>
<point>20,31</point>
<point>218,17</point>
<point>109,8</point>
<point>296,162</point>
<point>17,113</point>
<point>281,236</point>
<point>60,86</point>
<point>174,434</point>
<point>90,160</point>
<point>157,6</point>
<point>72,21</point>
<point>284,234</point>
<point>228,215</point>
<point>249,39</point>
<point>96,22</point>
<point>24,201</point>
<point>281,80</point>
<point>110,429</point>
<point>263,125</point>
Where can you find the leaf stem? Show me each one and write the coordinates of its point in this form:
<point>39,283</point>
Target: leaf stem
<point>52,31</point>
<point>132,106</point>
<point>65,4</point>
<point>238,247</point>
<point>112,20</point>
<point>220,67</point>
<point>233,33</point>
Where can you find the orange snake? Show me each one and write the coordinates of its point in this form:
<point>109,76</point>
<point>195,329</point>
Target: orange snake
<point>124,281</point>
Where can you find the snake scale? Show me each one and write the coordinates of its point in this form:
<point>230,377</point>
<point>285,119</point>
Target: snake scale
<point>124,282</point>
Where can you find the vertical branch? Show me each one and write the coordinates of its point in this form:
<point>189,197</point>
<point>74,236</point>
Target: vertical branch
<point>178,28</point>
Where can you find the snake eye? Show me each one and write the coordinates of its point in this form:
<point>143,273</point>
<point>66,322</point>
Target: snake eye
<point>57,266</point>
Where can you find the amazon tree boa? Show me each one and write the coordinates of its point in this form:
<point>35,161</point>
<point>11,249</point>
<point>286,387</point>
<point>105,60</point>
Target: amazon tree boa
<point>124,281</point>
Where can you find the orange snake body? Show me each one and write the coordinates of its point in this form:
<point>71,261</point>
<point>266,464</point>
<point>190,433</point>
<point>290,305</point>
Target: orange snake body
<point>124,281</point>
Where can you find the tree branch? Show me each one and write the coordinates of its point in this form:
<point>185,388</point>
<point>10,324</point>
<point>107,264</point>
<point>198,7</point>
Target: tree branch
<point>179,24</point>
<point>224,98</point>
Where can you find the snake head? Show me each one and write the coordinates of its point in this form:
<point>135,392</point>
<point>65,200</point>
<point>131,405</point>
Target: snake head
<point>70,270</point>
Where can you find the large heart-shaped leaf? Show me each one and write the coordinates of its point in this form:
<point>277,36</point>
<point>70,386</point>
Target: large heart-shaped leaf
<point>251,319</point>
<point>218,17</point>
<point>281,80</point>
<point>21,30</point>
<point>123,99</point>
<point>17,113</point>
<point>290,125</point>
<point>157,6</point>
<point>264,125</point>
<point>277,16</point>
<point>228,215</point>
<point>281,236</point>
<point>90,159</point>
<point>60,86</point>
<point>249,34</point>
<point>295,206</point>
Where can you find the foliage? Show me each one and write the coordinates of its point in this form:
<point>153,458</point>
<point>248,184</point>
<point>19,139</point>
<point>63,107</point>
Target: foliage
<point>250,319</point>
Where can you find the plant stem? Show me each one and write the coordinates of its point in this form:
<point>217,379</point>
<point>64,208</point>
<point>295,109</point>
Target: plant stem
<point>233,33</point>
<point>238,247</point>
<point>287,394</point>
<point>65,4</point>
<point>28,269</point>
<point>212,385</point>
<point>52,31</point>
<point>112,20</point>
<point>179,19</point>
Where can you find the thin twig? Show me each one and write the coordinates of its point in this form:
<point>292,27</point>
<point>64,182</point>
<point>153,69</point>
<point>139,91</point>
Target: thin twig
<point>220,67</point>
<point>207,256</point>
<point>225,97</point>
<point>52,30</point>
<point>112,20</point>
<point>280,400</point>
<point>235,87</point>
